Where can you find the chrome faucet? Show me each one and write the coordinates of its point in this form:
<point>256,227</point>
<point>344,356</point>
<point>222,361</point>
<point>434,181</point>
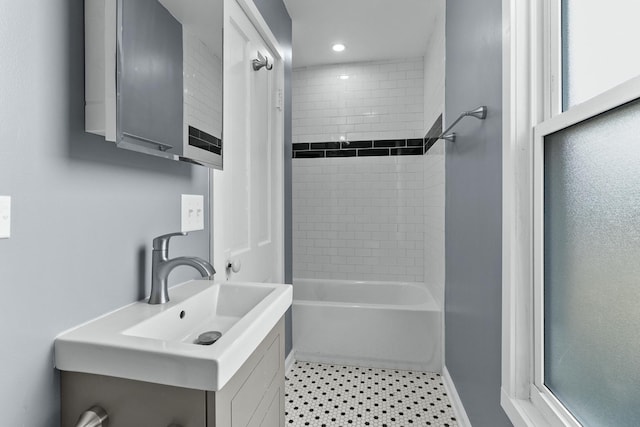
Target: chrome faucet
<point>161,266</point>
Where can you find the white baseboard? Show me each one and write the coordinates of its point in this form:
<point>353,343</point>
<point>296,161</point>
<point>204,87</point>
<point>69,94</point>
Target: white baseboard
<point>458,408</point>
<point>289,361</point>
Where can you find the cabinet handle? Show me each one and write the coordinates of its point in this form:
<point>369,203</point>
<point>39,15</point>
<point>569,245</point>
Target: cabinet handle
<point>93,417</point>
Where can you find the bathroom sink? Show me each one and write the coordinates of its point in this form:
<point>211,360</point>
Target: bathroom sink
<point>217,308</point>
<point>159,343</point>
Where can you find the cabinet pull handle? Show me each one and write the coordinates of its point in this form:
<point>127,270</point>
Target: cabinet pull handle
<point>93,417</point>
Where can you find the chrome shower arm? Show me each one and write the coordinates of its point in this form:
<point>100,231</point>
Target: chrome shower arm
<point>478,113</point>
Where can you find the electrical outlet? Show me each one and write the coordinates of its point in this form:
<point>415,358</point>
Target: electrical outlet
<point>192,212</point>
<point>5,217</point>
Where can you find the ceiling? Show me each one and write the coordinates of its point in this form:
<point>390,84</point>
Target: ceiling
<point>370,29</point>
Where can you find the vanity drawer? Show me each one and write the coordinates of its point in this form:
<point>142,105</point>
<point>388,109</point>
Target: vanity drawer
<point>129,402</point>
<point>253,397</point>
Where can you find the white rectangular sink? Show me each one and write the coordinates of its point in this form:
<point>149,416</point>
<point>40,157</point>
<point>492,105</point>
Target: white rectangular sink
<point>156,343</point>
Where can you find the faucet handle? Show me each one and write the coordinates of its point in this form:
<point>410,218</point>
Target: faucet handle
<point>161,243</point>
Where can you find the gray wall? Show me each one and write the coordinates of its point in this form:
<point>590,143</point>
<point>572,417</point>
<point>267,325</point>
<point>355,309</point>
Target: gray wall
<point>84,212</point>
<point>277,17</point>
<point>473,209</point>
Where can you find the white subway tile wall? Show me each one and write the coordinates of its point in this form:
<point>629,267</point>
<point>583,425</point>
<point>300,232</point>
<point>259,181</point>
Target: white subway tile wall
<point>434,66</point>
<point>359,218</point>
<point>434,198</point>
<point>378,100</point>
<point>434,160</point>
<point>203,86</point>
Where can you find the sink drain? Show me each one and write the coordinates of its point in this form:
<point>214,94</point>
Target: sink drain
<point>208,338</point>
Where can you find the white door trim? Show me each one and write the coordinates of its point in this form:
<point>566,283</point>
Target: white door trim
<point>277,129</point>
<point>254,15</point>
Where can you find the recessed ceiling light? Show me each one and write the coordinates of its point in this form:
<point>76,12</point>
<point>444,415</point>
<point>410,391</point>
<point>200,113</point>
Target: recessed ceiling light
<point>343,77</point>
<point>338,47</point>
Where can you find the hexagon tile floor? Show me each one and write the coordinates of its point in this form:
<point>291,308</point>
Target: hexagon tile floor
<point>322,395</point>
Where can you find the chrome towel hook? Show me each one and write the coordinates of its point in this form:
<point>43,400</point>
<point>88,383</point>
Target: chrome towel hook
<point>260,62</point>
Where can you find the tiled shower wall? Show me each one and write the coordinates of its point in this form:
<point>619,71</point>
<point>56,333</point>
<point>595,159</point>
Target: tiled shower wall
<point>203,86</point>
<point>359,218</point>
<point>434,159</point>
<point>378,218</point>
<point>378,100</point>
<point>434,205</point>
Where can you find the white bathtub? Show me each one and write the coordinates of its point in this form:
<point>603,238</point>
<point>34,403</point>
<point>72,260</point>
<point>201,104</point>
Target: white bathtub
<point>373,324</point>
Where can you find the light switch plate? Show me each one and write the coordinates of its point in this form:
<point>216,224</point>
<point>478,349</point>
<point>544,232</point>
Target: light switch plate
<point>5,217</point>
<point>192,212</point>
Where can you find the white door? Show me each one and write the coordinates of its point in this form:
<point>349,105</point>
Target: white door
<point>248,193</point>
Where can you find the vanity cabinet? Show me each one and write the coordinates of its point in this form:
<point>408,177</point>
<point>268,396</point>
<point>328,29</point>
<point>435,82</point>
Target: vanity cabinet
<point>254,396</point>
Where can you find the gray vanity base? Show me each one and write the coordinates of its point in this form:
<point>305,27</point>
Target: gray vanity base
<point>254,396</point>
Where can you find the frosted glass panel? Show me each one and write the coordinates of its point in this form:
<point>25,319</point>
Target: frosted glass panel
<point>592,268</point>
<point>600,46</point>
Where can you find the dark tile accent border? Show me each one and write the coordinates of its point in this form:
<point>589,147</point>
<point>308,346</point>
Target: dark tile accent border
<point>374,152</point>
<point>204,141</point>
<point>325,145</point>
<point>358,144</point>
<point>382,147</point>
<point>300,146</point>
<point>390,143</point>
<point>432,134</point>
<point>407,151</point>
<point>378,147</point>
<point>341,153</point>
<point>307,154</point>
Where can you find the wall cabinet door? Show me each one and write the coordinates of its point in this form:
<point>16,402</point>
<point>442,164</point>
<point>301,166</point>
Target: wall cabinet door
<point>150,83</point>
